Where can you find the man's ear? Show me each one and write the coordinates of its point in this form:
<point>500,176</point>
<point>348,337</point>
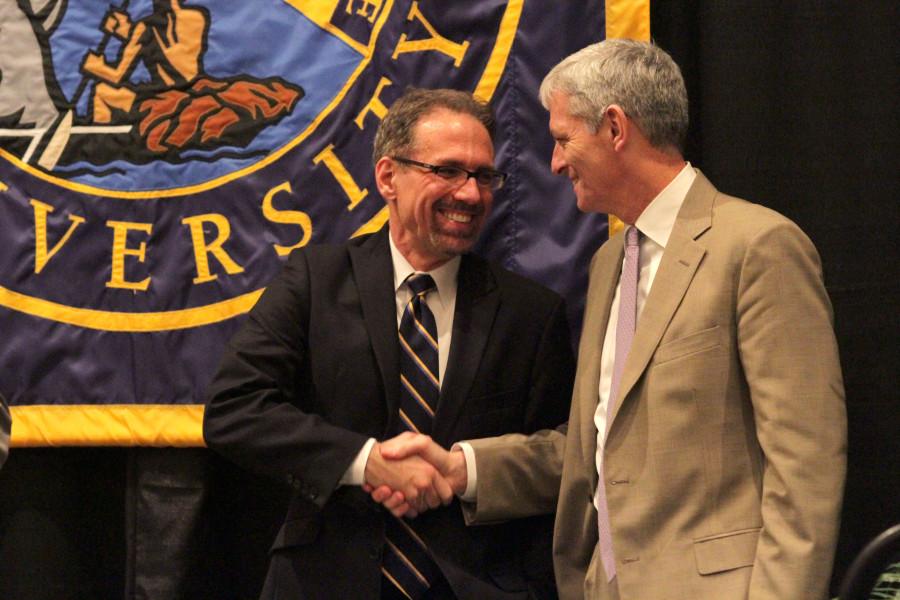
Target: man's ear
<point>621,127</point>
<point>385,170</point>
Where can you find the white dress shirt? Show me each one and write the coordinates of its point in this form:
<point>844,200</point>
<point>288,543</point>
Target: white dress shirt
<point>655,224</point>
<point>442,303</point>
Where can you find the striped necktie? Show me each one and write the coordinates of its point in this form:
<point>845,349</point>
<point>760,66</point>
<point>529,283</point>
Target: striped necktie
<point>420,387</point>
<point>407,563</point>
<point>628,287</point>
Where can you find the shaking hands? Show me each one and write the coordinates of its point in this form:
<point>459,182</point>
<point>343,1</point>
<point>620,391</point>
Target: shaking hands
<point>410,474</point>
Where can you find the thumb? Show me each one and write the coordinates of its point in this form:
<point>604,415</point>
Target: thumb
<point>437,456</point>
<point>404,445</point>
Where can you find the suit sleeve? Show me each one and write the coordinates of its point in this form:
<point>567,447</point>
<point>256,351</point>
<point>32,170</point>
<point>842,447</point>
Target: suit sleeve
<point>519,474</point>
<point>789,355</point>
<point>254,413</point>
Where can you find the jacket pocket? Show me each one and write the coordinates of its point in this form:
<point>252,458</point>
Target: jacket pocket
<point>726,551</point>
<point>297,532</point>
<point>689,344</point>
<point>487,403</point>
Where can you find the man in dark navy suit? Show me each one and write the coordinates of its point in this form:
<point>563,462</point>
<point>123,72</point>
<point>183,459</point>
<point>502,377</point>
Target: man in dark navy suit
<point>348,348</point>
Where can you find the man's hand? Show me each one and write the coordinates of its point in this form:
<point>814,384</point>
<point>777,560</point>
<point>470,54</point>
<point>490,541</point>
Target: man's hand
<point>451,465</point>
<point>117,23</point>
<point>413,485</point>
<point>93,64</point>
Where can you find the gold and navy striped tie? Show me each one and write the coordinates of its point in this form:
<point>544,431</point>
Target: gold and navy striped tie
<point>407,564</point>
<point>420,387</point>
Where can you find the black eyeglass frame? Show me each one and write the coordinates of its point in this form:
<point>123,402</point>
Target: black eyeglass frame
<point>495,180</point>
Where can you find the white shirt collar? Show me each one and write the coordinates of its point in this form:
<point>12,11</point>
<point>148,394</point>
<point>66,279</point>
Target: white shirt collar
<point>658,219</point>
<point>444,276</point>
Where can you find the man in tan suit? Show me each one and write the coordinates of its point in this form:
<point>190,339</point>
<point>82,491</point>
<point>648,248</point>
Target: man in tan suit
<point>723,451</point>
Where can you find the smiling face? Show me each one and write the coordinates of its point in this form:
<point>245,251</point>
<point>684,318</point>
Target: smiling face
<point>584,156</point>
<point>432,221</point>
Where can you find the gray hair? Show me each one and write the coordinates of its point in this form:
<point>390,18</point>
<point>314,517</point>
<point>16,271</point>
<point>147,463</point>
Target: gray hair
<point>638,76</point>
<point>395,134</point>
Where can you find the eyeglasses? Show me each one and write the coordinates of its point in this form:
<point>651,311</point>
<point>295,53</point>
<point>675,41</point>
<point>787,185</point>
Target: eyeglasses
<point>485,178</point>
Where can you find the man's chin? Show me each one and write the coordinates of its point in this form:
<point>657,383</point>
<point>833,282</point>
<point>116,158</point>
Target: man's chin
<point>453,245</point>
<point>586,205</point>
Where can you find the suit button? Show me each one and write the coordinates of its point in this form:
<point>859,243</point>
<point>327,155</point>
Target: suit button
<point>375,553</point>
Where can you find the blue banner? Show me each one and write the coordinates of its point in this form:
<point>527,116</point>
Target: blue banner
<point>160,158</point>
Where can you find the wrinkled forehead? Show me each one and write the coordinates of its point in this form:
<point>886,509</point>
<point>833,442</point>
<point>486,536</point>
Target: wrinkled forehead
<point>560,117</point>
<point>445,133</point>
<point>442,115</point>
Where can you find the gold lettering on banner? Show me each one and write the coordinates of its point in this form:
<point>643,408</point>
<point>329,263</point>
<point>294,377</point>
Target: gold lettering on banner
<point>202,249</point>
<point>435,42</point>
<point>3,187</point>
<point>121,250</point>
<point>342,175</point>
<point>41,255</point>
<point>368,9</point>
<point>286,217</point>
<point>375,104</point>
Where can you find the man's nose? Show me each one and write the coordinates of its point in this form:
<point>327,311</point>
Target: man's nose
<point>469,191</point>
<point>557,162</point>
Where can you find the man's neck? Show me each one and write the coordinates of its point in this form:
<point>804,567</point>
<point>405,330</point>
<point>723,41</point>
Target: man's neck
<point>422,262</point>
<point>650,174</point>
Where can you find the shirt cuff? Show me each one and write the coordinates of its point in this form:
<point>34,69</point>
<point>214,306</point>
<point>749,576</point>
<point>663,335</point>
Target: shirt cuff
<point>356,472</point>
<point>471,493</point>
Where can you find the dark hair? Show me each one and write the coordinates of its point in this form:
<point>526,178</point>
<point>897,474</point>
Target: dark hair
<point>395,134</point>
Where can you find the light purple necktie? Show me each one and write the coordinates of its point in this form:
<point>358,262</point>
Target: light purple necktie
<point>628,286</point>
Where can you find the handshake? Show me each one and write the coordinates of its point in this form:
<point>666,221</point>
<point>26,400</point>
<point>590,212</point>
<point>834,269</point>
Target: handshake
<point>410,474</point>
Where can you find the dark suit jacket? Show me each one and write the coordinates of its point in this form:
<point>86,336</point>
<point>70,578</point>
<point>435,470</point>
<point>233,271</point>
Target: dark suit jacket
<point>315,372</point>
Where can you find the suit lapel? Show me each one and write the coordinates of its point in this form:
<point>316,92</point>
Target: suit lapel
<point>477,301</point>
<point>605,270</point>
<point>373,271</point>
<point>680,261</point>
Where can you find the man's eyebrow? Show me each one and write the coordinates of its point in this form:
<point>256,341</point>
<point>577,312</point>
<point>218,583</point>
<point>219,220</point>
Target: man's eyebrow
<point>459,164</point>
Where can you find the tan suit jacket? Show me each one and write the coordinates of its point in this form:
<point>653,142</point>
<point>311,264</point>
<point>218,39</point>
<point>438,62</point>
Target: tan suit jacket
<point>725,460</point>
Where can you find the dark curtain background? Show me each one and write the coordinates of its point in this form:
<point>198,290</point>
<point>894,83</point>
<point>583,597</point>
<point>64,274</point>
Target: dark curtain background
<point>794,105</point>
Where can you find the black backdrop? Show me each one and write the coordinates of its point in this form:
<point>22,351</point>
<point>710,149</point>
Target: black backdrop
<point>793,105</point>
